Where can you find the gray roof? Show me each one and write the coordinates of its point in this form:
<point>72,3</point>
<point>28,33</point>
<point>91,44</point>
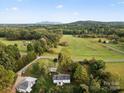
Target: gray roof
<point>61,77</point>
<point>23,85</point>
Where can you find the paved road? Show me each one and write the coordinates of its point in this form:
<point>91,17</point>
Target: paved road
<point>19,73</point>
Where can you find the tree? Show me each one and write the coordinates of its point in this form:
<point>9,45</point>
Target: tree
<point>25,59</point>
<point>65,61</point>
<point>95,86</point>
<point>7,61</point>
<point>13,51</point>
<point>43,43</point>
<point>64,55</point>
<point>30,48</point>
<point>31,56</point>
<point>95,67</point>
<point>99,40</point>
<point>6,77</point>
<point>38,48</point>
<point>84,88</point>
<point>80,75</point>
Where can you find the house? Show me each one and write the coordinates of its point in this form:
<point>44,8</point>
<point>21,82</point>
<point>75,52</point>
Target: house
<point>61,79</point>
<point>26,85</point>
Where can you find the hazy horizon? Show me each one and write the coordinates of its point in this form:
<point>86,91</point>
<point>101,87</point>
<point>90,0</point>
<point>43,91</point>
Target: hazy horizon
<point>64,11</point>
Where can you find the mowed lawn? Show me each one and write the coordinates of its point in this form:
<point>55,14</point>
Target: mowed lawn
<point>20,44</point>
<point>119,46</point>
<point>117,68</point>
<point>82,48</point>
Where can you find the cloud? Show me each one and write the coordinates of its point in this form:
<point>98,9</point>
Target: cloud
<point>12,8</point>
<point>59,6</point>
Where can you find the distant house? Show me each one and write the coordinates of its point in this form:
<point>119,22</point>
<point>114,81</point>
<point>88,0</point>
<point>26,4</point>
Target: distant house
<point>26,85</point>
<point>115,85</point>
<point>43,39</point>
<point>106,42</point>
<point>61,79</point>
<point>26,43</point>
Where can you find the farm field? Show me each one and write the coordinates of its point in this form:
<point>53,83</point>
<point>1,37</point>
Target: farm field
<point>117,68</point>
<point>82,48</point>
<point>20,44</point>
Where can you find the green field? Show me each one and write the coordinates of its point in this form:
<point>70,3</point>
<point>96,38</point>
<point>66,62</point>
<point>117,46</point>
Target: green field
<point>82,48</point>
<point>119,46</point>
<point>20,44</point>
<point>117,68</point>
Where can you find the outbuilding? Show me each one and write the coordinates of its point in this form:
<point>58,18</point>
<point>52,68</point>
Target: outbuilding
<point>52,69</point>
<point>26,85</point>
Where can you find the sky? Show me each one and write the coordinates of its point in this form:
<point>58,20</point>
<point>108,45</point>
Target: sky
<point>33,11</point>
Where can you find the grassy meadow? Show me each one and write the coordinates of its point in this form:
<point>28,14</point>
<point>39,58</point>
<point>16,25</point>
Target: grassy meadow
<point>119,46</point>
<point>20,44</point>
<point>117,68</point>
<point>82,48</point>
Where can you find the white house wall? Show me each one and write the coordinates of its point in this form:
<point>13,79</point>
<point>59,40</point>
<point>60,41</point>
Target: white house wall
<point>64,81</point>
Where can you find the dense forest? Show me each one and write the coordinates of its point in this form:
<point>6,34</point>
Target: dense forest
<point>91,29</point>
<point>80,28</point>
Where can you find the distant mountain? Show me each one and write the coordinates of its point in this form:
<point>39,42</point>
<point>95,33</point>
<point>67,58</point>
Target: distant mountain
<point>96,22</point>
<point>48,23</point>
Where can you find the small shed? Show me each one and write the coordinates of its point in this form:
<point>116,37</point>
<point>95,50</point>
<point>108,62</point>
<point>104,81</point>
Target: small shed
<point>52,69</point>
<point>26,85</point>
<point>61,79</point>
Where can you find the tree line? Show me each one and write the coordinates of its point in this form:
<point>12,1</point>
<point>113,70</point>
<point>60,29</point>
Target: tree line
<point>89,30</point>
